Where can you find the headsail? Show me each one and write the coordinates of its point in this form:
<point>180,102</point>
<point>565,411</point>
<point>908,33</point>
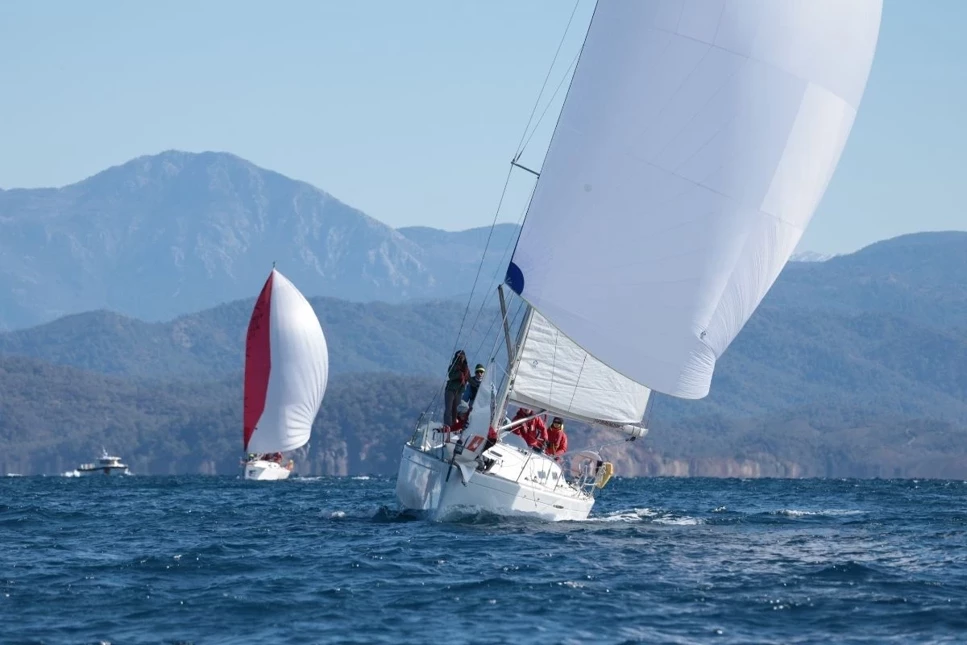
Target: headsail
<point>286,369</point>
<point>694,144</point>
<point>556,375</point>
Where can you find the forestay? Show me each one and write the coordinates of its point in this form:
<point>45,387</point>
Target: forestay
<point>286,369</point>
<point>695,142</point>
<point>554,374</point>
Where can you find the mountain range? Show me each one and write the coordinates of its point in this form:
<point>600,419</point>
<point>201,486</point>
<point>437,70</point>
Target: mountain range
<point>169,234</point>
<point>893,314</point>
<point>853,365</point>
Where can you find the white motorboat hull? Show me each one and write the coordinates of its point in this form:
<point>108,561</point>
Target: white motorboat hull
<point>105,465</point>
<point>521,483</point>
<point>87,472</point>
<point>261,470</point>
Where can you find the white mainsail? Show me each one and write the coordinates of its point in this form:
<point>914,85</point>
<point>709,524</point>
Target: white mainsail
<point>286,369</point>
<point>694,145</point>
<point>556,375</point>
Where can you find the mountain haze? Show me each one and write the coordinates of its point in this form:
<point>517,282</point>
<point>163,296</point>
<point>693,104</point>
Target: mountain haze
<point>895,302</point>
<point>406,338</point>
<point>124,301</point>
<point>856,366</point>
<point>177,232</point>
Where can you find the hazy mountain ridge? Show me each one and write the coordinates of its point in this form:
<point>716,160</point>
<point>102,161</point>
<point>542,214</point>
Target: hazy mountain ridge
<point>827,379</point>
<point>173,233</point>
<point>408,338</point>
<point>853,365</point>
<point>918,276</point>
<point>170,234</point>
<point>839,303</point>
<point>54,417</point>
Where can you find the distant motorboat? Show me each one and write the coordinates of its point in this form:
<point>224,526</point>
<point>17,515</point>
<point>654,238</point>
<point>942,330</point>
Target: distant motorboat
<point>105,465</point>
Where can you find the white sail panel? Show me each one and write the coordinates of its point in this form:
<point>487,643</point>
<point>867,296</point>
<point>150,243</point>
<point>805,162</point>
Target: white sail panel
<point>479,421</point>
<point>695,142</point>
<point>556,375</point>
<point>299,371</point>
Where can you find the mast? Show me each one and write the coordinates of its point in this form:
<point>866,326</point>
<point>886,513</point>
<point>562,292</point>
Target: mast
<point>529,311</point>
<point>503,316</point>
<point>512,367</point>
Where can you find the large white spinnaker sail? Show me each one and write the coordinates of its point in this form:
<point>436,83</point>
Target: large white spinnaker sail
<point>286,369</point>
<point>694,145</point>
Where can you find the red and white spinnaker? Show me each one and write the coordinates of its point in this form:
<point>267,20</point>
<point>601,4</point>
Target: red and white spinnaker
<point>286,369</point>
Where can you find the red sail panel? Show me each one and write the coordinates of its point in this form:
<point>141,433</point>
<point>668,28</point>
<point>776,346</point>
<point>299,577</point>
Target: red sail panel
<point>258,360</point>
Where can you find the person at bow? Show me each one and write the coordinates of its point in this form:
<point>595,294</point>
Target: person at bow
<point>457,377</point>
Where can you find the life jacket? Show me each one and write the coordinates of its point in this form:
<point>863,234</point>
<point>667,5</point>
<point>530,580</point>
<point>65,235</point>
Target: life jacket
<point>533,432</point>
<point>556,442</point>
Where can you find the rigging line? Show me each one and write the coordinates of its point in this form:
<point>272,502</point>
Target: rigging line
<point>483,338</point>
<point>432,402</point>
<point>548,76</point>
<point>550,102</point>
<point>498,337</point>
<point>520,146</point>
<point>600,447</point>
<point>493,350</point>
<point>496,278</point>
<point>480,310</point>
<point>503,194</point>
<point>492,355</point>
<point>575,63</point>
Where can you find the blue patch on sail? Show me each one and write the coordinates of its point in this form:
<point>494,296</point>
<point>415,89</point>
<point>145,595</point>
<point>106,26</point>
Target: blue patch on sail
<point>515,278</point>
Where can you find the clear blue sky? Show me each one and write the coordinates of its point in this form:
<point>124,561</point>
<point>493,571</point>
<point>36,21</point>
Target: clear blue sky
<point>412,110</point>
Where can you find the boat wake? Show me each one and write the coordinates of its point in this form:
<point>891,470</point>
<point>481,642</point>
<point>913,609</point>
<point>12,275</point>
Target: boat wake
<point>832,512</point>
<point>649,516</point>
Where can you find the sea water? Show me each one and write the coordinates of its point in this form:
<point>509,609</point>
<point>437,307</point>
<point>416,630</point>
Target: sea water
<point>330,560</point>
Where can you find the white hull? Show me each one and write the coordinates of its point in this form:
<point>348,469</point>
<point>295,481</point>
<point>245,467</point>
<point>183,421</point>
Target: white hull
<point>110,470</point>
<point>520,482</point>
<point>266,471</point>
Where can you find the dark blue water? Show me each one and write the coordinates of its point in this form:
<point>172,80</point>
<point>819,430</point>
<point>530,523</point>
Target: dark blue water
<point>218,560</point>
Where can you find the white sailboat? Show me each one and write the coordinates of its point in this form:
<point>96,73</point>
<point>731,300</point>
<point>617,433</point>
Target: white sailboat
<point>694,144</point>
<point>286,372</point>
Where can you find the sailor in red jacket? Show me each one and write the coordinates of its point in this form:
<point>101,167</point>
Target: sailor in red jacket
<point>533,432</point>
<point>556,438</point>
